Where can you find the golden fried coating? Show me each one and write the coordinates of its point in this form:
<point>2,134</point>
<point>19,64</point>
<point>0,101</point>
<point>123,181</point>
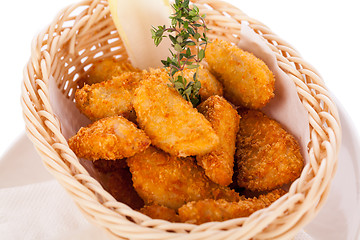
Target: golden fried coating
<point>105,69</point>
<point>110,98</point>
<point>267,156</point>
<point>209,84</point>
<point>209,210</point>
<point>246,79</point>
<point>171,122</point>
<point>160,178</point>
<point>219,163</point>
<point>160,212</point>
<point>115,96</point>
<point>109,138</point>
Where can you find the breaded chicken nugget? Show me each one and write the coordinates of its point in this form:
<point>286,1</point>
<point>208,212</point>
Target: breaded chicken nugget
<point>109,138</point>
<point>160,212</point>
<point>209,84</point>
<point>115,96</point>
<point>246,79</point>
<point>219,163</point>
<point>209,210</point>
<point>110,98</point>
<point>171,181</point>
<point>171,122</point>
<point>267,156</point>
<point>105,69</point>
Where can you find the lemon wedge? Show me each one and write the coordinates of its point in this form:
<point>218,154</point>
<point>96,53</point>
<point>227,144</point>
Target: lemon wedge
<point>133,20</point>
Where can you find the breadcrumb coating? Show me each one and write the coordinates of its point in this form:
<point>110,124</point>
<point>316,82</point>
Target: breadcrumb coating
<point>160,212</point>
<point>115,96</point>
<point>110,98</point>
<point>246,79</point>
<point>171,122</point>
<point>209,210</point>
<point>209,84</point>
<point>109,138</point>
<point>219,163</point>
<point>171,181</point>
<point>105,69</point>
<point>165,176</point>
<point>267,156</point>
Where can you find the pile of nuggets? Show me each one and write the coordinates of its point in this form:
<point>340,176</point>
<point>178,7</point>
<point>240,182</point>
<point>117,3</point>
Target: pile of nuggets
<point>157,153</point>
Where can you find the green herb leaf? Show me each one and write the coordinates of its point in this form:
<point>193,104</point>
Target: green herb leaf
<point>187,32</point>
<point>193,66</point>
<point>178,48</point>
<point>201,54</point>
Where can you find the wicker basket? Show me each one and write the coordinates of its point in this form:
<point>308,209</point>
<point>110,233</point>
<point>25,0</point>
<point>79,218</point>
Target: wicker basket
<point>84,32</point>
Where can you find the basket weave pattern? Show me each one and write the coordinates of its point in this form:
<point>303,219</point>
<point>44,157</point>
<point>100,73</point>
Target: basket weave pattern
<point>83,33</point>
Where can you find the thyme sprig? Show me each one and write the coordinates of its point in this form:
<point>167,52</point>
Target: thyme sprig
<point>187,30</point>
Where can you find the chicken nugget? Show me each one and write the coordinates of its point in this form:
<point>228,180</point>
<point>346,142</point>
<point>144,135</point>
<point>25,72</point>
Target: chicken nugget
<point>160,178</point>
<point>219,163</point>
<point>209,84</point>
<point>209,210</point>
<point>109,138</point>
<point>105,69</point>
<point>110,98</point>
<point>246,79</point>
<point>267,156</point>
<point>170,121</point>
<point>160,212</point>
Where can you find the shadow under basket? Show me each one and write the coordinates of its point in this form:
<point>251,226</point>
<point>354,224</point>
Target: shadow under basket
<point>83,33</point>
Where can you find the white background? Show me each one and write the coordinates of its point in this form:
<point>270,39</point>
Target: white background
<point>326,33</point>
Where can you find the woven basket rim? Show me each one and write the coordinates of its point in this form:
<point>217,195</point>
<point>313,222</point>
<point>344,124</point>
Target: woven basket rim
<point>306,195</point>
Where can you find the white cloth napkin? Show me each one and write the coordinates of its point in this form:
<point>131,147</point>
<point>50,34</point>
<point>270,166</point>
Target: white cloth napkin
<point>42,211</point>
<point>303,236</point>
<point>38,207</point>
<point>33,205</point>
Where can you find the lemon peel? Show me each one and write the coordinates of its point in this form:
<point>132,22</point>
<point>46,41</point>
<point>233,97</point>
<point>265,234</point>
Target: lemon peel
<point>133,20</point>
